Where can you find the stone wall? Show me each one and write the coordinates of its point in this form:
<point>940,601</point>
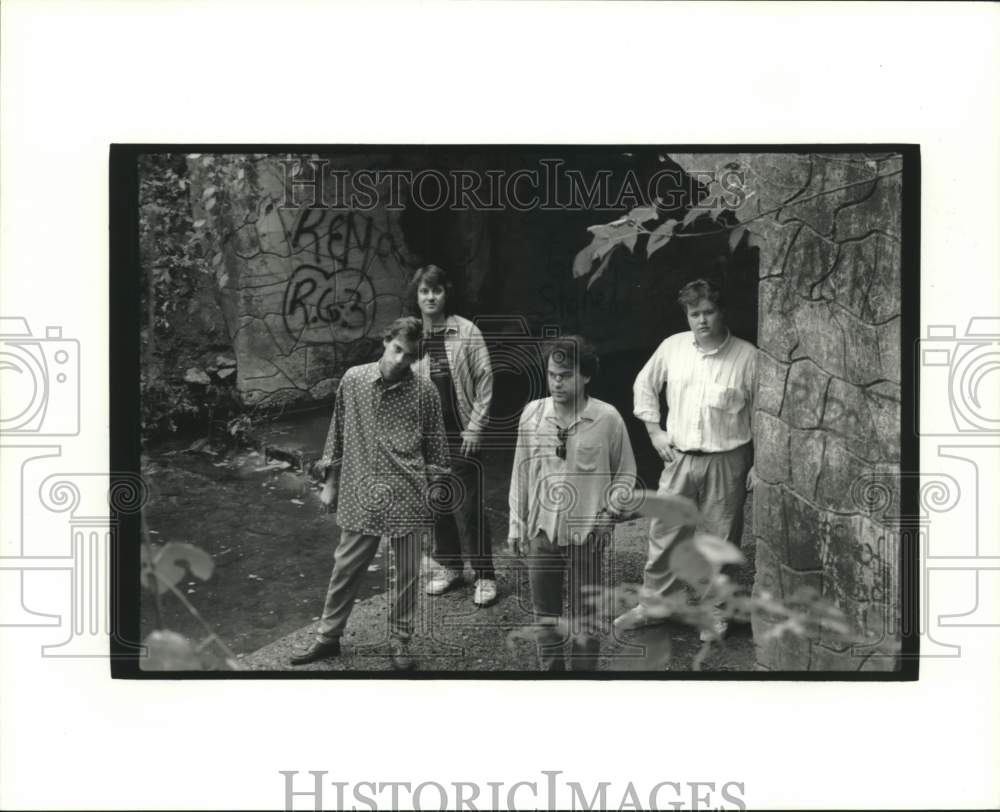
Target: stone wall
<point>309,289</point>
<point>828,407</point>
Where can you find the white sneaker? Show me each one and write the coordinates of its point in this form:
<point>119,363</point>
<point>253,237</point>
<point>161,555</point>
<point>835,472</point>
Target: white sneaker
<point>442,581</point>
<point>486,592</point>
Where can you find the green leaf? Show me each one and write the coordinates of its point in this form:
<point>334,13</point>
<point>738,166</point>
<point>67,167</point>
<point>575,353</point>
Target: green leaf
<point>599,270</point>
<point>583,261</point>
<point>717,551</point>
<point>209,204</point>
<point>240,174</point>
<point>693,214</point>
<point>672,510</point>
<point>194,156</point>
<point>618,229</point>
<point>222,283</point>
<point>199,223</point>
<point>169,651</point>
<point>209,191</point>
<point>689,565</point>
<point>642,214</point>
<point>603,248</point>
<point>175,558</point>
<point>661,236</point>
<point>217,258</point>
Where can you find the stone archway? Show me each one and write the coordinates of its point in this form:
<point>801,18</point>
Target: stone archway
<point>828,408</point>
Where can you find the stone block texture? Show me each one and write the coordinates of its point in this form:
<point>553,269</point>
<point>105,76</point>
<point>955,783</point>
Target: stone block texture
<point>828,402</point>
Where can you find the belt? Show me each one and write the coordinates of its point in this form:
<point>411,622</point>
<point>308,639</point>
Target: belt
<point>697,452</point>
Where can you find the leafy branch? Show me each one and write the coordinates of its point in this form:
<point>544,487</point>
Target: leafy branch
<point>595,257</point>
<point>696,560</point>
<point>162,568</point>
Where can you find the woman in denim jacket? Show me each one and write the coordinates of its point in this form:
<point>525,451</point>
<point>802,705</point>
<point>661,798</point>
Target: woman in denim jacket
<point>455,358</point>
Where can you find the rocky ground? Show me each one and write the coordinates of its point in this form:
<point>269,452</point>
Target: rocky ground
<point>273,546</point>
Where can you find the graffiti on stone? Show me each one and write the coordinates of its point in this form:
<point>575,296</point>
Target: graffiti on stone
<point>861,569</point>
<point>336,297</point>
<point>314,288</point>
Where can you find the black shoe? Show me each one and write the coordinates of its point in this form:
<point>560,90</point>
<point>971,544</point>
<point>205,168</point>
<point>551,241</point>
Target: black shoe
<point>401,659</point>
<point>320,650</point>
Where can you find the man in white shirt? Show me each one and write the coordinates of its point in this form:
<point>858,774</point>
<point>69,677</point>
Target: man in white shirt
<point>707,446</point>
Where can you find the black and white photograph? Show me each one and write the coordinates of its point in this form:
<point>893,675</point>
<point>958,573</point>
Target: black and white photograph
<point>523,410</point>
<point>499,405</point>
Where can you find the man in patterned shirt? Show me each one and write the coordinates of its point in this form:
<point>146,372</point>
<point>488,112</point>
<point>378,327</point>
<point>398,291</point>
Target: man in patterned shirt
<point>707,446</point>
<point>386,442</point>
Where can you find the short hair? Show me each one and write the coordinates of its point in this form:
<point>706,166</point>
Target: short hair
<point>409,327</point>
<point>433,276</point>
<point>696,290</point>
<point>573,351</point>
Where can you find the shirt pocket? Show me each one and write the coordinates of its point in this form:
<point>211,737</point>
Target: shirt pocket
<point>724,398</point>
<point>587,457</point>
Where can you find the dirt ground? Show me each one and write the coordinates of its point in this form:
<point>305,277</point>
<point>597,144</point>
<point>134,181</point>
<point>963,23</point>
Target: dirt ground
<point>273,548</point>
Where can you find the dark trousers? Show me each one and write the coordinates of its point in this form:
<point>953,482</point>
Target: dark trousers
<point>548,567</point>
<point>463,533</point>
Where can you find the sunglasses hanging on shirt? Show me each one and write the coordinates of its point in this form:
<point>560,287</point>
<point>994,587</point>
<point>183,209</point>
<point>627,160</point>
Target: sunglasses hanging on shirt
<point>562,435</point>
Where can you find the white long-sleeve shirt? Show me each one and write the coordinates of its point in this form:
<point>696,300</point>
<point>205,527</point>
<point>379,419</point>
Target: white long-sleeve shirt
<point>709,394</point>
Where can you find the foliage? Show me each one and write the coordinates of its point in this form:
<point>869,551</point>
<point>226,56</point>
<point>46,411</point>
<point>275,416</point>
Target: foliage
<point>162,568</point>
<point>228,196</point>
<point>697,561</point>
<point>181,258</point>
<point>708,215</point>
<point>165,403</point>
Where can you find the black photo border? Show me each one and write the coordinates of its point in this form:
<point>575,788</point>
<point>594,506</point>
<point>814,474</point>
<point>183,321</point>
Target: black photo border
<point>124,408</point>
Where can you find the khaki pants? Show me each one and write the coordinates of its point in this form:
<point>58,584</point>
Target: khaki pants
<point>354,553</point>
<point>717,484</point>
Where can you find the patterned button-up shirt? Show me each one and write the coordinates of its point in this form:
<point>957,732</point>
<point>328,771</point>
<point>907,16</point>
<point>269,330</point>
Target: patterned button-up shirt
<point>385,441</point>
<point>564,497</point>
<point>709,394</point>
